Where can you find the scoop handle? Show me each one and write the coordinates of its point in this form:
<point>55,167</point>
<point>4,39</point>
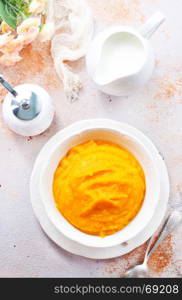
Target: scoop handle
<point>148,29</point>
<point>8,86</point>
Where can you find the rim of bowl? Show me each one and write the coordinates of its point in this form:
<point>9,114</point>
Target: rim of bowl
<point>70,132</point>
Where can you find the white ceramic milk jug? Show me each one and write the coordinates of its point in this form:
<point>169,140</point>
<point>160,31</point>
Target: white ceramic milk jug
<point>120,59</point>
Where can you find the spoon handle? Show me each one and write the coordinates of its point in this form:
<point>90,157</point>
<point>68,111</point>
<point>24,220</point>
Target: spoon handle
<point>172,221</point>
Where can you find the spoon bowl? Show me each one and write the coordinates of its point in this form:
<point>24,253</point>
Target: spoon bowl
<point>139,271</point>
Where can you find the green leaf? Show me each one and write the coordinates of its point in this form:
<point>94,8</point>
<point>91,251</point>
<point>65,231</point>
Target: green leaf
<point>7,14</point>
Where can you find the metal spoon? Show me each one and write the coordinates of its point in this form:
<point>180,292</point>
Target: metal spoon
<point>172,221</point>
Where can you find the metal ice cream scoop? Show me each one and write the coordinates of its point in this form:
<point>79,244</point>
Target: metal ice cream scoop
<point>27,108</point>
<point>24,108</point>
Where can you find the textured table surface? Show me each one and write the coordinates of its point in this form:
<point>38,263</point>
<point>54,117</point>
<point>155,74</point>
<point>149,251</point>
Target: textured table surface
<point>25,251</point>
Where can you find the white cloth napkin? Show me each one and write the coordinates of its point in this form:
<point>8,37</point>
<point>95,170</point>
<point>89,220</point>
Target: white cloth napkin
<point>73,25</point>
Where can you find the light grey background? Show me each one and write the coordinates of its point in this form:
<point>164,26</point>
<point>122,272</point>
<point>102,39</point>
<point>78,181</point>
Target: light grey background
<point>25,251</point>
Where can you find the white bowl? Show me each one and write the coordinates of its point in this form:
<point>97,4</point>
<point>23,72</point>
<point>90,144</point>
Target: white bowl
<point>107,130</point>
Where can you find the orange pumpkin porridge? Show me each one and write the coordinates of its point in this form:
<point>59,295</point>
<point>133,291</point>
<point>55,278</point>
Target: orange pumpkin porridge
<point>99,187</point>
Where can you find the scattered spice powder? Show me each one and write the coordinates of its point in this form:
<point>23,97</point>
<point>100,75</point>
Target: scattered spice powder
<point>152,105</point>
<point>117,11</point>
<point>118,266</point>
<point>30,138</point>
<point>178,187</point>
<point>178,267</point>
<point>162,257</point>
<point>168,88</point>
<point>155,118</point>
<point>3,92</point>
<point>35,67</point>
<point>32,60</point>
<point>109,98</point>
<point>157,62</point>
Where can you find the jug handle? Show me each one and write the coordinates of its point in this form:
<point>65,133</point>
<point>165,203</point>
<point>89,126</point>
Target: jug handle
<point>152,25</point>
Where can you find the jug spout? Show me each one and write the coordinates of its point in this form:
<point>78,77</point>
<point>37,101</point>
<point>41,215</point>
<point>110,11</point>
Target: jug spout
<point>122,55</point>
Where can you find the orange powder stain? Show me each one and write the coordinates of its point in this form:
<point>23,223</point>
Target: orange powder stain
<point>33,61</point>
<point>114,11</point>
<point>157,62</point>
<point>159,260</point>
<point>178,268</point>
<point>2,93</point>
<point>38,61</point>
<point>35,67</point>
<point>178,187</point>
<point>162,257</point>
<point>168,88</point>
<point>155,119</point>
